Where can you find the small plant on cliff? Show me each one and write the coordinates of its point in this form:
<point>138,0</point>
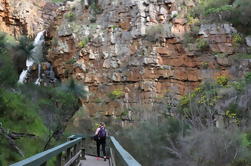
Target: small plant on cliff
<point>157,33</point>
<point>237,39</point>
<point>204,65</point>
<point>222,80</point>
<point>191,36</point>
<point>70,16</point>
<point>202,44</point>
<point>98,100</point>
<point>83,43</point>
<point>96,8</point>
<point>71,61</point>
<point>248,77</point>
<point>115,94</point>
<point>58,0</point>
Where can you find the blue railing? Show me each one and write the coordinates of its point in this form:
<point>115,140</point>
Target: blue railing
<point>71,152</point>
<point>66,154</point>
<point>119,156</point>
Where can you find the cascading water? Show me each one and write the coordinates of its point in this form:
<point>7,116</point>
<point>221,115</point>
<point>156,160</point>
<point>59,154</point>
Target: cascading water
<point>36,55</point>
<point>39,75</point>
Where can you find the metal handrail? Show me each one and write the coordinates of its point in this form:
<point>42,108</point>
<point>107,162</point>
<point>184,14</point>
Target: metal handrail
<point>123,156</point>
<point>43,157</point>
<point>73,149</point>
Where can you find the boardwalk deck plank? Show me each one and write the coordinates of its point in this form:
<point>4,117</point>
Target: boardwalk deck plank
<point>91,161</point>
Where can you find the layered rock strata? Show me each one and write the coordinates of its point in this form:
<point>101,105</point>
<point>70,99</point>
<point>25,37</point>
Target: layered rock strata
<point>130,53</point>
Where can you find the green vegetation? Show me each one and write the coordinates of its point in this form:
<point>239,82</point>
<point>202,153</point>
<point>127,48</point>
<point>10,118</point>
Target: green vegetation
<point>114,27</point>
<point>248,77</point>
<point>70,16</point>
<point>236,12</point>
<point>190,135</point>
<point>222,80</point>
<point>98,100</point>
<point>202,44</point>
<point>241,56</point>
<point>156,33</point>
<point>71,61</point>
<point>57,0</point>
<point>204,65</point>
<point>32,118</point>
<point>83,43</point>
<point>96,8</point>
<point>237,39</point>
<point>192,36</point>
<point>116,94</point>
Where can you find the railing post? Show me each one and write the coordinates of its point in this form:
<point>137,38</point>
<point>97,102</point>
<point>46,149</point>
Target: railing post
<point>77,150</point>
<point>112,157</point>
<point>68,155</point>
<point>83,149</point>
<point>74,153</point>
<point>44,164</point>
<point>59,159</point>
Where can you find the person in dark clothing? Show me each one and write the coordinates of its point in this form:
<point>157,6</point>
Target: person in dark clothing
<point>100,135</point>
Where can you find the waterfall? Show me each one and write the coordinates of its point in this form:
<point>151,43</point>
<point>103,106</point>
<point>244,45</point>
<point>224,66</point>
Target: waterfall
<point>39,75</point>
<point>36,55</point>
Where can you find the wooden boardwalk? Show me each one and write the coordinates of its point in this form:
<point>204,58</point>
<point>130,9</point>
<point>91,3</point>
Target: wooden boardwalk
<point>92,161</point>
<point>71,152</point>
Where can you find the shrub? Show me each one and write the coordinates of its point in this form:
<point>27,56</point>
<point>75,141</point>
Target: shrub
<point>218,10</point>
<point>248,77</point>
<point>98,100</point>
<point>191,36</point>
<point>83,43</point>
<point>70,16</point>
<point>192,20</point>
<point>237,39</point>
<point>236,12</point>
<point>71,61</point>
<point>204,65</point>
<point>241,15</point>
<point>240,163</point>
<point>202,44</point>
<point>58,1</point>
<point>116,94</point>
<point>222,80</point>
<point>156,33</point>
<point>96,8</point>
<point>239,86</point>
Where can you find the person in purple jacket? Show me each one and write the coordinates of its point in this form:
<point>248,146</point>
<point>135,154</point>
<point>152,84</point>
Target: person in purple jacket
<point>100,136</point>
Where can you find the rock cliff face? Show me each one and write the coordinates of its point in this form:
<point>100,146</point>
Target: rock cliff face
<point>130,53</point>
<point>25,17</point>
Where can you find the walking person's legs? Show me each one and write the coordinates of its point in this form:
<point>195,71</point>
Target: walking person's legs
<point>98,148</point>
<point>103,150</point>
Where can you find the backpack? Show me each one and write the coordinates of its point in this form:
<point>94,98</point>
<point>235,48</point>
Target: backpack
<point>102,133</point>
